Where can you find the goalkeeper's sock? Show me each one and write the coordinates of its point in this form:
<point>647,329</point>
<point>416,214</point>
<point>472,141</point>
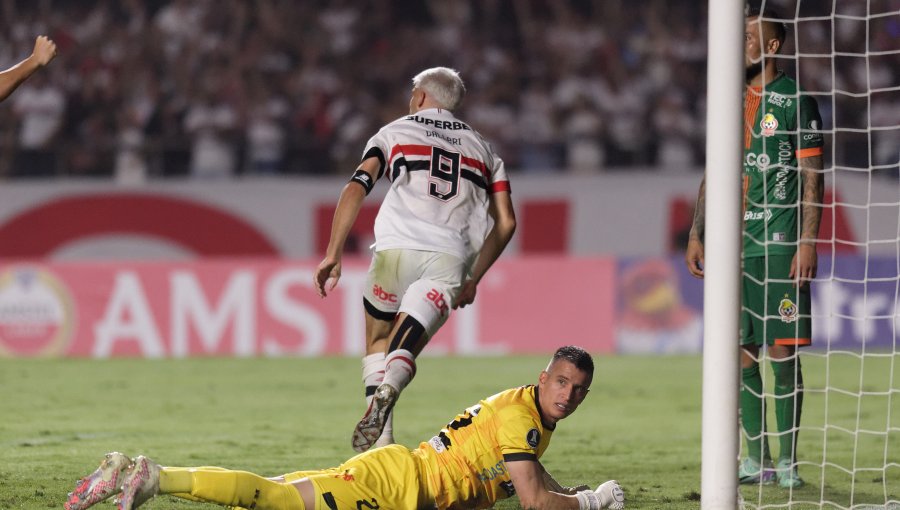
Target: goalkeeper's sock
<point>373,375</point>
<point>788,404</point>
<point>753,413</point>
<point>400,368</point>
<point>187,495</point>
<point>232,488</point>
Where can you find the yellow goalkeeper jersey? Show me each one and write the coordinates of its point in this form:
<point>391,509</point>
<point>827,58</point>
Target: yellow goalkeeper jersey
<point>466,463</point>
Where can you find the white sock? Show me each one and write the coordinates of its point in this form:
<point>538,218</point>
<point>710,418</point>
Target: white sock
<point>373,376</point>
<point>372,373</point>
<point>400,368</point>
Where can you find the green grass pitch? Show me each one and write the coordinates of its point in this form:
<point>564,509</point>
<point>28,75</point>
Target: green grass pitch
<point>640,424</point>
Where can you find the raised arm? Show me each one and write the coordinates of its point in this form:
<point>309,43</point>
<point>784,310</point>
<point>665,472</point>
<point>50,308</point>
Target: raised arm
<point>43,53</point>
<point>693,255</point>
<point>812,185</point>
<point>352,196</point>
<point>501,210</point>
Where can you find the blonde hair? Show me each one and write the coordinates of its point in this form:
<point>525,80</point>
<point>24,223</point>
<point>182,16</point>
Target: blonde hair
<point>443,85</point>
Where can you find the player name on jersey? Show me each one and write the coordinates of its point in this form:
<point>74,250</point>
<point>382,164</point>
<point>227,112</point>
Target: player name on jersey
<point>454,140</point>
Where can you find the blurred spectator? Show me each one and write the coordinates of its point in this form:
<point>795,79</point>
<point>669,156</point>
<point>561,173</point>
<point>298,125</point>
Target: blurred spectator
<point>299,84</point>
<point>40,106</point>
<point>626,106</point>
<point>676,133</point>
<point>583,138</point>
<point>539,146</point>
<point>266,133</point>
<point>211,122</point>
<point>130,161</point>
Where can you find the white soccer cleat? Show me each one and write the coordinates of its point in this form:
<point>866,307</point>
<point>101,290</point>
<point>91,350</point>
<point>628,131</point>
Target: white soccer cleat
<point>141,483</point>
<point>369,429</point>
<point>103,483</point>
<point>611,495</point>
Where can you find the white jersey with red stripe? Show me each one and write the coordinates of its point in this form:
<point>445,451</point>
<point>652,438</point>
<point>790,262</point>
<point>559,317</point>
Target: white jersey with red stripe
<point>441,172</point>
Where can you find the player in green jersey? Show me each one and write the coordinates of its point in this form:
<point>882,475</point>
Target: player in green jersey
<point>783,189</point>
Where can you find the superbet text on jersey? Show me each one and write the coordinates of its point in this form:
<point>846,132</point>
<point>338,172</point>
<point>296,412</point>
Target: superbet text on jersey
<point>442,173</point>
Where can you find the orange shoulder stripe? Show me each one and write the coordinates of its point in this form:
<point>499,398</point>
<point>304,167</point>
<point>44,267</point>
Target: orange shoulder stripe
<point>809,152</point>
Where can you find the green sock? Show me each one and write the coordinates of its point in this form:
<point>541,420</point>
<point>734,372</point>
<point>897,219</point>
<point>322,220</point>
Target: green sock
<point>753,412</point>
<point>788,404</point>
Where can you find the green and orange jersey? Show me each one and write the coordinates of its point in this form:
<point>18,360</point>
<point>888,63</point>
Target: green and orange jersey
<point>781,126</point>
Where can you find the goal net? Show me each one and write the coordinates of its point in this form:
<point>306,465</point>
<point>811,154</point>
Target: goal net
<point>846,54</point>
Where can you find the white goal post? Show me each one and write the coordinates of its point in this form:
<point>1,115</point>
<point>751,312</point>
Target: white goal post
<point>724,127</point>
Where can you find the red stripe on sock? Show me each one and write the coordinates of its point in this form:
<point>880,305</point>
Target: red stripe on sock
<point>408,361</point>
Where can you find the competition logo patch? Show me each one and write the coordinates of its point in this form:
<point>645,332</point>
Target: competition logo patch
<point>787,309</point>
<point>36,313</point>
<point>533,437</point>
<point>769,124</point>
<point>437,444</point>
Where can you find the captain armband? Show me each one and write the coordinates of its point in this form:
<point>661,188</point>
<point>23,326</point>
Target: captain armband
<point>365,180</point>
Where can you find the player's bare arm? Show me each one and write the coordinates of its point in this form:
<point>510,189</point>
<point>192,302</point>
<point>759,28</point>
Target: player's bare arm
<point>551,484</point>
<point>328,273</point>
<point>812,184</point>
<point>693,255</point>
<point>43,53</point>
<point>504,216</point>
<point>527,477</point>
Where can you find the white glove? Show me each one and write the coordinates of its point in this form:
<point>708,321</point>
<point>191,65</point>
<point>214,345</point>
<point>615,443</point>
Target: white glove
<point>611,495</point>
<point>608,495</point>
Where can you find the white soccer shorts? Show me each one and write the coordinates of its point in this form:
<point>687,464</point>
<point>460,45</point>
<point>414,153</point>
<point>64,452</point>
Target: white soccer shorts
<point>422,284</point>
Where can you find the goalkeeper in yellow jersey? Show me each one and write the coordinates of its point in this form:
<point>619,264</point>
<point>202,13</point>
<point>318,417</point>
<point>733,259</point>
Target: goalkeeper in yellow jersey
<point>489,452</point>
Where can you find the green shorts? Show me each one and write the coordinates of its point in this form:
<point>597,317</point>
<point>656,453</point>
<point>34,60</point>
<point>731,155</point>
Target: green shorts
<point>773,312</point>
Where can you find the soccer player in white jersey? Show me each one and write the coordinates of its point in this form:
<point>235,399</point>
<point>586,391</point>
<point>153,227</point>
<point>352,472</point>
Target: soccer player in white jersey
<point>444,221</point>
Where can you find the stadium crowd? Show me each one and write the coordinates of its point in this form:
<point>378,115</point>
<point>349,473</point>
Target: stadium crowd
<point>213,89</point>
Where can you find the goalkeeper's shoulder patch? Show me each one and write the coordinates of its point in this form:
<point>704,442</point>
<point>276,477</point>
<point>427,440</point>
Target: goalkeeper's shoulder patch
<point>365,180</point>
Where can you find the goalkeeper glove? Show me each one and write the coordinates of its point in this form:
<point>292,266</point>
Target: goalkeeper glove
<point>608,495</point>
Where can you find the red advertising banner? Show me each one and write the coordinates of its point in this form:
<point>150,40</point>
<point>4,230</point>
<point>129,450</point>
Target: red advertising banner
<point>269,308</point>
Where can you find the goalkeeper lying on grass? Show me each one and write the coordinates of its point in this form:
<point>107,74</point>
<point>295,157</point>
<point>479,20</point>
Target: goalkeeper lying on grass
<point>489,452</point>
